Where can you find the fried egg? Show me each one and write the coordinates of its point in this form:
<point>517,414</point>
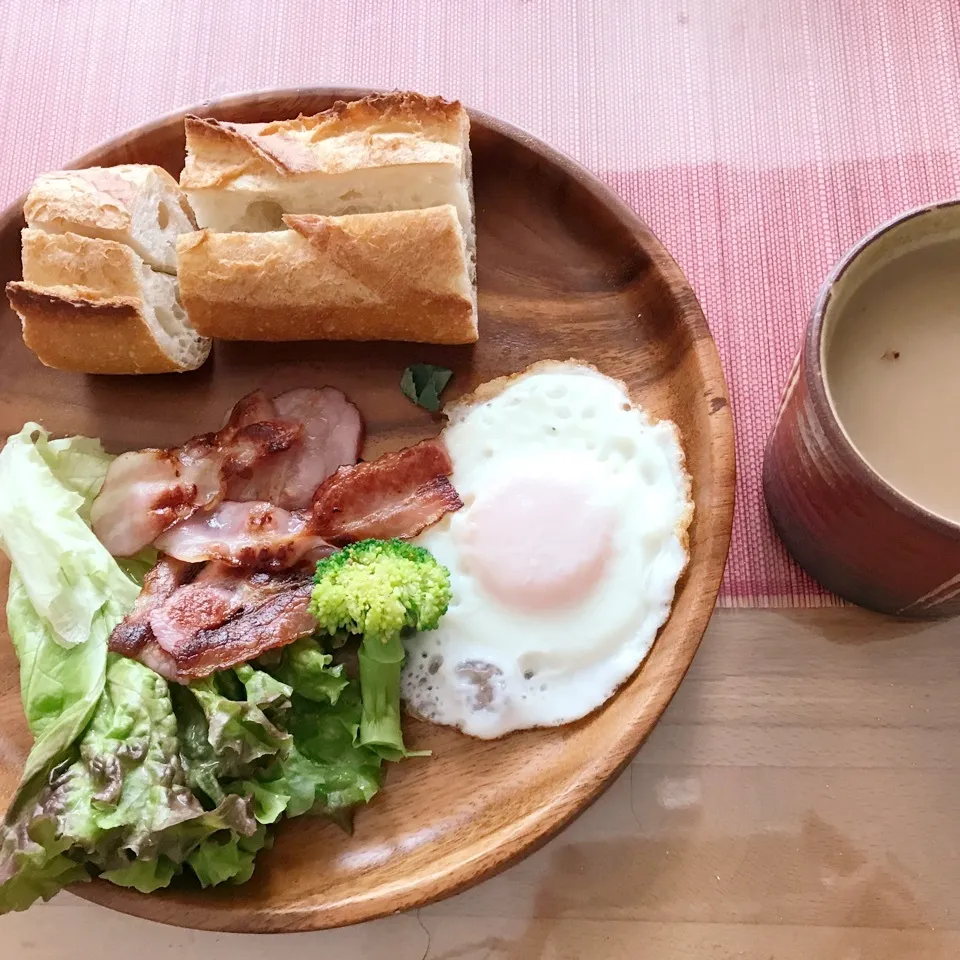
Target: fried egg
<point>563,559</point>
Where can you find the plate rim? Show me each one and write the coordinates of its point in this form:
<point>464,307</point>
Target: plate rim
<point>514,842</point>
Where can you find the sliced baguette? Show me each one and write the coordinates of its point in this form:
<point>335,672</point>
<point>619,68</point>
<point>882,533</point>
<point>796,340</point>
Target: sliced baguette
<point>135,204</point>
<point>93,306</point>
<point>400,151</point>
<point>402,275</point>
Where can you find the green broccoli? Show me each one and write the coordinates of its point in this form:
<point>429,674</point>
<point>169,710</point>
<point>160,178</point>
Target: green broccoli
<point>379,588</point>
<point>382,590</point>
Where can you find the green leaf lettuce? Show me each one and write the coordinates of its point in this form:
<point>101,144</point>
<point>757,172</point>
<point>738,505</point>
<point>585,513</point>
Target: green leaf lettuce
<point>122,800</point>
<point>66,592</point>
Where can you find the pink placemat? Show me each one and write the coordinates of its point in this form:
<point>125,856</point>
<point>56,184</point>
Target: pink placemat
<point>759,138</point>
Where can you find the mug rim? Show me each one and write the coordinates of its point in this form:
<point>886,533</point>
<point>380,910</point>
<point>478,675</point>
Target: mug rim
<point>816,382</point>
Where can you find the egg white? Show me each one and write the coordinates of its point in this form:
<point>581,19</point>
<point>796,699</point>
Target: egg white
<point>491,668</point>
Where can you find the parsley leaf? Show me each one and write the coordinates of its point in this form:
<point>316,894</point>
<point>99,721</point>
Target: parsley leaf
<point>423,383</point>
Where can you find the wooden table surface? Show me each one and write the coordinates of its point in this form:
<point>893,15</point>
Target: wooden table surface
<point>798,801</point>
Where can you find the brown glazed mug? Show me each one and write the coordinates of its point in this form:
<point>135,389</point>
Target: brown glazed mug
<point>848,527</point>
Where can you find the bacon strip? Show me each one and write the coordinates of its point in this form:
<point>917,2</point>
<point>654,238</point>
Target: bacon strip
<point>255,407</point>
<point>143,493</point>
<point>332,437</point>
<point>267,612</point>
<point>253,534</point>
<point>186,629</point>
<point>133,637</point>
<point>396,495</point>
<point>148,490</point>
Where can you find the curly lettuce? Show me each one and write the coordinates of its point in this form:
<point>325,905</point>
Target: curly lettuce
<point>324,770</point>
<point>121,807</point>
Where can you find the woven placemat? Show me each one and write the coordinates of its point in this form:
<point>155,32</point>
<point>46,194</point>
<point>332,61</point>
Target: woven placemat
<point>758,138</point>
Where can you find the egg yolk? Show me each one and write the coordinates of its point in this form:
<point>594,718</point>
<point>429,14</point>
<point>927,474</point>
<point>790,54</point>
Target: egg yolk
<point>537,542</point>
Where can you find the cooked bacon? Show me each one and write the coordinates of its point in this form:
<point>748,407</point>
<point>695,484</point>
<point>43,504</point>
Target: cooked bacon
<point>265,612</point>
<point>186,624</point>
<point>332,437</point>
<point>253,534</point>
<point>396,495</point>
<point>253,408</point>
<point>212,459</point>
<point>147,491</point>
<point>143,493</point>
<point>133,636</point>
<point>195,606</point>
<point>191,620</point>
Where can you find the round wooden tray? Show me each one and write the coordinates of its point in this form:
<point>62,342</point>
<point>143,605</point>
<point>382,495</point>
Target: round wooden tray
<point>565,270</point>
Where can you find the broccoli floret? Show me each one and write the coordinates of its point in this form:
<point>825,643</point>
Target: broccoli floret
<point>380,588</point>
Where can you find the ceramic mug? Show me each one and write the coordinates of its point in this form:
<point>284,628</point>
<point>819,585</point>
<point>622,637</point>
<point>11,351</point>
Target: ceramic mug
<point>844,523</point>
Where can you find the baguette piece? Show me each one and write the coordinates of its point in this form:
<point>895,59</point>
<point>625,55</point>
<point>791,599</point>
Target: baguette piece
<point>93,306</point>
<point>133,203</point>
<point>400,151</point>
<point>402,275</point>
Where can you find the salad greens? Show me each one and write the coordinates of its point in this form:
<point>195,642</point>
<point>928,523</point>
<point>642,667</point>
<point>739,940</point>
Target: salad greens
<point>72,581</point>
<point>136,780</point>
<point>64,586</point>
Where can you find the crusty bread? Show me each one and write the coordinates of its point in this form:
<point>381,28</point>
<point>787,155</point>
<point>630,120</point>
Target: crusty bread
<point>401,275</point>
<point>135,204</point>
<point>93,306</point>
<point>400,151</point>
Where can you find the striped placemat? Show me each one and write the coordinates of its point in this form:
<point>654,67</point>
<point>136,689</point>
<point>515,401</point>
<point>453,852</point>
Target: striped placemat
<point>758,138</point>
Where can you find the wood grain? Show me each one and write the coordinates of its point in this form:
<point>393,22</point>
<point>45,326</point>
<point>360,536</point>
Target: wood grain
<point>796,801</point>
<point>565,270</point>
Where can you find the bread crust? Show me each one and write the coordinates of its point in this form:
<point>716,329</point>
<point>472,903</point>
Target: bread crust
<point>105,267</point>
<point>96,196</point>
<point>123,203</point>
<point>61,325</point>
<point>390,130</point>
<point>402,275</point>
<point>81,305</point>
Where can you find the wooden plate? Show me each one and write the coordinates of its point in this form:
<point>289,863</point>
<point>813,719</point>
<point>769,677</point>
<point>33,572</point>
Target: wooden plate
<point>565,270</point>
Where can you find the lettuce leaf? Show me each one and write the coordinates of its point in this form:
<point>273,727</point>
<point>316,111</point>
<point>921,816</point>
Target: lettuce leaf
<point>66,592</point>
<point>33,863</point>
<point>72,581</point>
<point>239,731</point>
<point>222,737</point>
<point>308,670</point>
<point>144,875</point>
<point>126,795</point>
<point>59,687</point>
<point>228,858</point>
<point>270,800</point>
<point>122,800</point>
<point>271,695</point>
<point>201,765</point>
<point>79,463</point>
<point>324,770</point>
<point>124,803</point>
